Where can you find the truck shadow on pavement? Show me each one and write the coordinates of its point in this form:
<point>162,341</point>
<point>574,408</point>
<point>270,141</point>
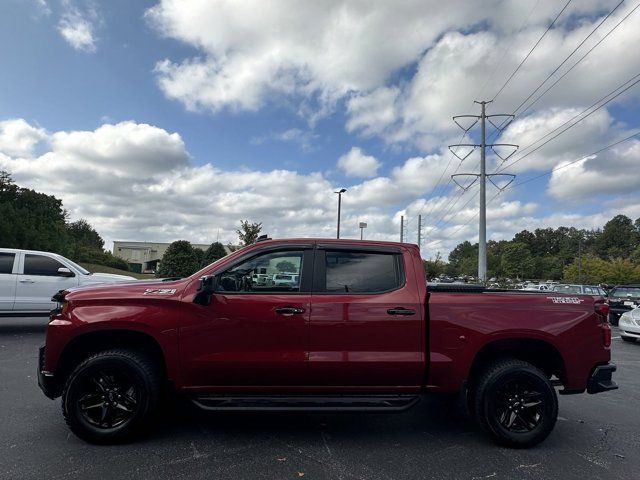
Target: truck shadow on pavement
<point>435,416</point>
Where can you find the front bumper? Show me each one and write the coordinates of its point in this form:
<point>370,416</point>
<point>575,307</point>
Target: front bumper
<point>46,380</point>
<point>601,379</point>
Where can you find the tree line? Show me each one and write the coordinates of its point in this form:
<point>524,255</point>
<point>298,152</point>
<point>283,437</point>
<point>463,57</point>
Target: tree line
<point>36,221</point>
<point>605,255</point>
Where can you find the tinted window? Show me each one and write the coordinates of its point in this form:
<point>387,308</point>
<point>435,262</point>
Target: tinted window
<point>6,262</point>
<point>568,289</point>
<point>41,265</point>
<point>270,272</point>
<point>361,272</point>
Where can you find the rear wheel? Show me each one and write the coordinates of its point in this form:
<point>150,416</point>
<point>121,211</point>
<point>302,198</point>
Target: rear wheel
<point>111,396</point>
<point>515,403</point>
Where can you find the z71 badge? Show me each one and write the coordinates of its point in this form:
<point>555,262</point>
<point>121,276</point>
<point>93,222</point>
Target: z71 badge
<point>159,291</point>
<point>575,300</point>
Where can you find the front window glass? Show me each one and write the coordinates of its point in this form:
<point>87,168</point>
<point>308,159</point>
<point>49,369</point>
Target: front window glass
<point>266,273</point>
<point>41,265</point>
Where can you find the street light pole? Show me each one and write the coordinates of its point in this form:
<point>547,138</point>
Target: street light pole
<point>339,192</point>
<point>362,225</point>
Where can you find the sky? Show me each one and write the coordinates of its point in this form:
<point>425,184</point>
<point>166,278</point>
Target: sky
<point>176,119</point>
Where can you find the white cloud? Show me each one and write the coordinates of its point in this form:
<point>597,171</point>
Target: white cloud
<point>18,138</point>
<point>611,172</point>
<point>77,27</point>
<point>355,163</point>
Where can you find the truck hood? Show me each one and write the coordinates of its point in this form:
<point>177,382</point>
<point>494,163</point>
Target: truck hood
<point>129,289</point>
<point>107,278</point>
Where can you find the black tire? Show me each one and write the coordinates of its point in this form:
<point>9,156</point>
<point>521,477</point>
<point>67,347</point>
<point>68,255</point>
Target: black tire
<point>111,396</point>
<point>614,319</point>
<point>515,403</point>
<point>628,339</point>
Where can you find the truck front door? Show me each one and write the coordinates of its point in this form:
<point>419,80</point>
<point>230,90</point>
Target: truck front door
<point>366,319</point>
<point>255,331</point>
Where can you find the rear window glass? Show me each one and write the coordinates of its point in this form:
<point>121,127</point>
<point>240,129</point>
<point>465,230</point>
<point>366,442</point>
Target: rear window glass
<point>357,272</point>
<point>6,262</point>
<point>568,289</point>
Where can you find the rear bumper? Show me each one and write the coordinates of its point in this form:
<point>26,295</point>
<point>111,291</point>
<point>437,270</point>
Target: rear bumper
<point>601,380</point>
<point>46,380</point>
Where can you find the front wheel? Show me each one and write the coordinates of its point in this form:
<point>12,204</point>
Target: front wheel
<point>515,403</point>
<point>111,396</point>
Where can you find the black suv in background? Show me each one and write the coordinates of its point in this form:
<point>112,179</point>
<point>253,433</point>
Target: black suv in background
<point>622,299</point>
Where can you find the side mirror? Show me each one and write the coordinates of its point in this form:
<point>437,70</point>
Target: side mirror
<point>206,287</point>
<point>65,272</point>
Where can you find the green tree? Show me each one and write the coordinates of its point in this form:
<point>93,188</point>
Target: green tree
<point>434,268</point>
<point>597,270</point>
<point>517,261</point>
<point>285,266</point>
<point>618,239</point>
<point>85,244</point>
<point>215,252</point>
<point>248,232</point>
<point>180,260</point>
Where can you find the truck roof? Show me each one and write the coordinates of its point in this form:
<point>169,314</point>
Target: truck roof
<point>337,241</point>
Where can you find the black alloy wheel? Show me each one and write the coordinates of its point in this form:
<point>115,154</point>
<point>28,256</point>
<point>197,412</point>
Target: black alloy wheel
<point>111,396</point>
<point>515,403</point>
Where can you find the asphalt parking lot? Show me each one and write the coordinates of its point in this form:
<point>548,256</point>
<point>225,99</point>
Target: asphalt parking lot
<point>596,436</point>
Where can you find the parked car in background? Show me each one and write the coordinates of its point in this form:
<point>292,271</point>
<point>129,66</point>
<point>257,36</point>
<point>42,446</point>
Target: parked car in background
<point>622,299</point>
<point>543,287</point>
<point>630,325</point>
<point>286,280</point>
<point>28,280</point>
<point>581,289</point>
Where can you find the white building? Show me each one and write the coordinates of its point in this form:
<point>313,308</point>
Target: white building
<point>144,256</point>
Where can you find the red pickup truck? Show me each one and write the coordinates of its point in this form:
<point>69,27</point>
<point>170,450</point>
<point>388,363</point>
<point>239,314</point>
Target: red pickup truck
<point>354,327</point>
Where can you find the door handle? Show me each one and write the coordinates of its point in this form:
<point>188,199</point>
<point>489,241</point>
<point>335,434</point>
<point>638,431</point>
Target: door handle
<point>27,280</point>
<point>289,310</point>
<point>401,311</point>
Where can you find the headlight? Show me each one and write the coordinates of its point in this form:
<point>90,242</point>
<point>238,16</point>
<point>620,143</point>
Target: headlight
<point>625,317</point>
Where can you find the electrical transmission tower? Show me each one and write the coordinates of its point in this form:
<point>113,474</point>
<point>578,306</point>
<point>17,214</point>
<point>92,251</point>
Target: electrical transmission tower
<point>483,176</point>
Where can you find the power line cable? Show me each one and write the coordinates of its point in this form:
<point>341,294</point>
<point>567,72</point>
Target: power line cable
<point>593,47</point>
<point>573,124</point>
<point>531,51</point>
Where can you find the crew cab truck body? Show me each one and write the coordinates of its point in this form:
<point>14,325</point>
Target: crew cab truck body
<point>361,331</point>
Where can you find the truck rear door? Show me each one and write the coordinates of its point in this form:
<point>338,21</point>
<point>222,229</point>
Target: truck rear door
<point>366,318</point>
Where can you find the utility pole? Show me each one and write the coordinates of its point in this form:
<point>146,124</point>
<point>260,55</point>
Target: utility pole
<point>580,259</point>
<point>401,228</point>
<point>419,232</point>
<point>339,192</point>
<point>362,226</point>
<point>482,176</point>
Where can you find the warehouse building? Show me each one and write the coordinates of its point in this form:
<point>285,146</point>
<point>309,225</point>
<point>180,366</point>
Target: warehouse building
<point>143,257</point>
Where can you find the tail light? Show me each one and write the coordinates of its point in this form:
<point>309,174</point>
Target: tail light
<point>602,311</point>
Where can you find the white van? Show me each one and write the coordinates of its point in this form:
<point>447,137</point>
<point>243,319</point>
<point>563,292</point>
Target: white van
<point>28,280</point>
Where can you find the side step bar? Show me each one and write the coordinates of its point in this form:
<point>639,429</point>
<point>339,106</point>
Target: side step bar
<point>318,403</point>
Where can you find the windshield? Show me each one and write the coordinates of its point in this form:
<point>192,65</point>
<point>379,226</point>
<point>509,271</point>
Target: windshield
<point>83,271</point>
<point>626,292</point>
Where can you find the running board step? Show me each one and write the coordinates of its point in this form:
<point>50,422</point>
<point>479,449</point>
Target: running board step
<point>320,403</point>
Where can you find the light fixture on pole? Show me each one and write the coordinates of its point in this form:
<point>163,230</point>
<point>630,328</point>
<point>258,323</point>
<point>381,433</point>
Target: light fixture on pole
<point>339,192</point>
<point>362,226</point>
